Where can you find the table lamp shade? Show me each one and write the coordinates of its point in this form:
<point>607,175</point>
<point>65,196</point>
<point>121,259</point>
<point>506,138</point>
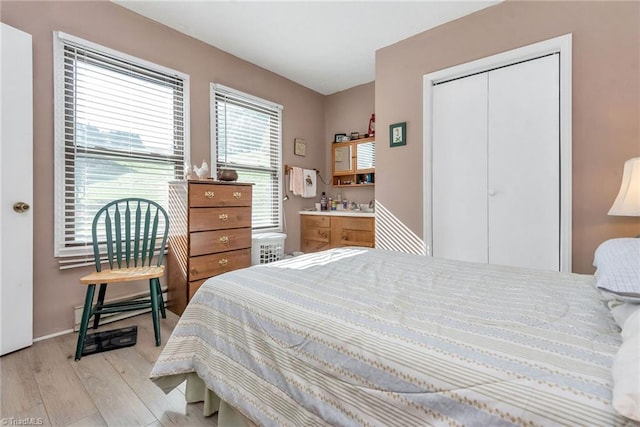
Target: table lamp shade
<point>628,201</point>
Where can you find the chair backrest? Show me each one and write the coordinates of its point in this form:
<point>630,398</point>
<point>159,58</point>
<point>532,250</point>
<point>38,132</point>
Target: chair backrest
<point>129,233</point>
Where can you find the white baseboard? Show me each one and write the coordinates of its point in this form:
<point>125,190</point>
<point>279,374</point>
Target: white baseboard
<point>53,335</point>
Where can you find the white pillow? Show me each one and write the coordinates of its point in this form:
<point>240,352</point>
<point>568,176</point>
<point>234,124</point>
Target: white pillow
<point>626,370</point>
<point>617,263</point>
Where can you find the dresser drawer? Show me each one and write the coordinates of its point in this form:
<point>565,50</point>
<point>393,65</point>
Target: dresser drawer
<point>205,195</point>
<point>317,221</point>
<point>202,219</point>
<point>205,266</point>
<point>208,242</point>
<point>194,286</point>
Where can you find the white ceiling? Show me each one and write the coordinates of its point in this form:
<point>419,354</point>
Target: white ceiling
<point>327,46</point>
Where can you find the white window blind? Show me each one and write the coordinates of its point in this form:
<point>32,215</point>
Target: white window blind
<point>247,138</point>
<point>121,131</point>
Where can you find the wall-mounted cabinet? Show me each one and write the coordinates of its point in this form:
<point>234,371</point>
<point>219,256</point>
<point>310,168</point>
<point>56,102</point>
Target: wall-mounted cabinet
<point>353,163</point>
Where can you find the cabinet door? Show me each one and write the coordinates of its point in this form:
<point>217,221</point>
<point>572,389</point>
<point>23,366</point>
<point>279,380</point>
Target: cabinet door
<point>524,164</point>
<point>342,158</point>
<point>365,156</point>
<point>315,233</point>
<point>459,169</point>
<point>349,231</point>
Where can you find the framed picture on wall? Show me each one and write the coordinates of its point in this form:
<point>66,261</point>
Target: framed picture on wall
<point>299,147</point>
<point>398,134</point>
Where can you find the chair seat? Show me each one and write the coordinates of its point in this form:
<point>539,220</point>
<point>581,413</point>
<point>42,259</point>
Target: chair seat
<point>123,275</point>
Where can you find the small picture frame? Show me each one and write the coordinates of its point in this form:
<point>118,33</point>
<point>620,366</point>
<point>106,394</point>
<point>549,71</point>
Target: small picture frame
<point>355,135</point>
<point>299,147</point>
<point>342,138</point>
<point>398,134</point>
<point>338,137</point>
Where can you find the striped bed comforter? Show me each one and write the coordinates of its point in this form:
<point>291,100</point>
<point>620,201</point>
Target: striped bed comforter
<point>366,337</point>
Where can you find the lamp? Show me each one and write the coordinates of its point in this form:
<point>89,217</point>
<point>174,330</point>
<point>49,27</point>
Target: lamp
<point>628,201</point>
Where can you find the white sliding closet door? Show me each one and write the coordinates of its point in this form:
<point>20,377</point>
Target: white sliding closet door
<point>496,166</point>
<point>460,169</point>
<point>524,164</point>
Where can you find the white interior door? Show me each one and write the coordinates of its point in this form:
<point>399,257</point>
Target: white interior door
<point>534,229</point>
<point>496,166</point>
<point>459,167</point>
<point>16,186</point>
<point>524,164</point>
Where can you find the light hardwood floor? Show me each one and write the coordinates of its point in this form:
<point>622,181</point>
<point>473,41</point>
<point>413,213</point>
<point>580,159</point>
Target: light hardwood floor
<point>43,385</point>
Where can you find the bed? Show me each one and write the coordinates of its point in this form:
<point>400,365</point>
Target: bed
<point>367,337</point>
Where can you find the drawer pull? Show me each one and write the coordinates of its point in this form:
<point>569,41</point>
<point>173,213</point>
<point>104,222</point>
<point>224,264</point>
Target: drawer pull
<point>209,194</point>
<point>223,262</point>
<point>237,194</point>
<point>223,217</point>
<point>224,239</point>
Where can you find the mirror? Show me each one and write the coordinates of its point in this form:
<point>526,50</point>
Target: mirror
<point>342,158</point>
<point>366,154</point>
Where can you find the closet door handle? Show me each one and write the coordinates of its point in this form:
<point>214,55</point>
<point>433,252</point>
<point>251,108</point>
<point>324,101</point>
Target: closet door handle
<point>492,192</point>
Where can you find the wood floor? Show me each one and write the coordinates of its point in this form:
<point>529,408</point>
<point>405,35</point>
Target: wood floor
<point>43,385</point>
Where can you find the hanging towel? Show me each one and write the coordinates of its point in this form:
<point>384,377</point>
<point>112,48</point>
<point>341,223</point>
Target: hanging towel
<point>309,189</point>
<point>296,181</point>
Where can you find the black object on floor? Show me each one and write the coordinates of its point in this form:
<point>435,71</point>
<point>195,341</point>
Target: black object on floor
<point>110,340</point>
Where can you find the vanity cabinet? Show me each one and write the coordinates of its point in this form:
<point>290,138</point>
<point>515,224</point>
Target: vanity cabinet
<point>353,163</point>
<point>320,232</point>
<point>209,234</point>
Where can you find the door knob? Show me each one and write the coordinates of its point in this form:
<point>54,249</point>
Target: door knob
<point>20,207</point>
<point>492,192</point>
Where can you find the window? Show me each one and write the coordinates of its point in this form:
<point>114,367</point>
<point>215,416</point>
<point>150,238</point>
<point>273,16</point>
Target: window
<point>246,136</point>
<point>120,131</point>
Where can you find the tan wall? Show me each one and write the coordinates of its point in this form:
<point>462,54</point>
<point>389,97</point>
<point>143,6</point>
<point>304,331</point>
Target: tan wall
<point>102,22</point>
<point>345,112</point>
<point>606,103</point>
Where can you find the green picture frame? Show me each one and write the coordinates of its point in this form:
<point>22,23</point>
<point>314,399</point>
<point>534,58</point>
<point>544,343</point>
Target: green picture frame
<point>398,134</point>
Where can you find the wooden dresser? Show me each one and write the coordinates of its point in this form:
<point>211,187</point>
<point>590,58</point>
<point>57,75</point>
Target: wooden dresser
<point>209,234</point>
<point>320,232</point>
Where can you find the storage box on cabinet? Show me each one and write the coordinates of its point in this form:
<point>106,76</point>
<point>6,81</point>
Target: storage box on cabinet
<point>210,234</point>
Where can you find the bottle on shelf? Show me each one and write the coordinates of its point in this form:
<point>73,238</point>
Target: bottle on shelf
<point>323,202</point>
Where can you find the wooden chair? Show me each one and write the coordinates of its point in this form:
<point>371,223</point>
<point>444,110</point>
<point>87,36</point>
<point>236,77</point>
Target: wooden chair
<point>129,235</point>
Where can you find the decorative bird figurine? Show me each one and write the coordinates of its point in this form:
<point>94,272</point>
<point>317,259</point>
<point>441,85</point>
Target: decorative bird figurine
<point>202,170</point>
<point>188,170</point>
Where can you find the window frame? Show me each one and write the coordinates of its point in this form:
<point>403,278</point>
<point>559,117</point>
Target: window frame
<point>81,255</point>
<point>219,88</point>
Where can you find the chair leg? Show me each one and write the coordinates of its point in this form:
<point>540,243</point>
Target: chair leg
<point>154,310</point>
<point>84,323</point>
<point>101,293</point>
<point>163,312</point>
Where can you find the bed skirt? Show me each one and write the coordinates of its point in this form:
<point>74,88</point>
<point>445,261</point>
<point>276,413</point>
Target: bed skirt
<point>197,391</point>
